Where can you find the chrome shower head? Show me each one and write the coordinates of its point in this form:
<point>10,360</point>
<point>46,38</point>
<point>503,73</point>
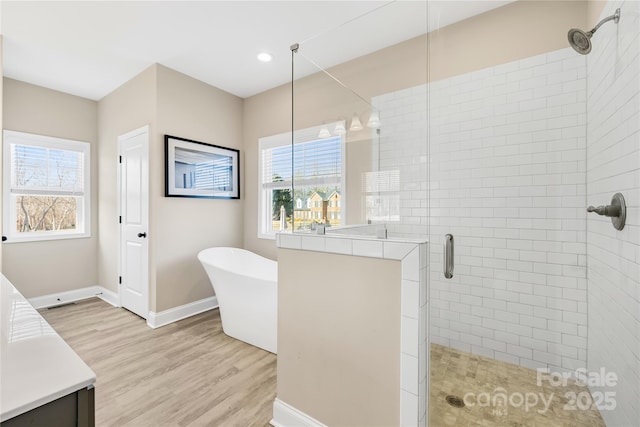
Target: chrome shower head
<point>581,41</point>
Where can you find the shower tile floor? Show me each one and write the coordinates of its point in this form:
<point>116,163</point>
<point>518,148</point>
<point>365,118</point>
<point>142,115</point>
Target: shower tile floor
<point>459,373</point>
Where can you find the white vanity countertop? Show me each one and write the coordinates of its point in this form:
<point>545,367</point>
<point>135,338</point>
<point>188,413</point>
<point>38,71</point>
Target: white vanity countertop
<point>36,365</point>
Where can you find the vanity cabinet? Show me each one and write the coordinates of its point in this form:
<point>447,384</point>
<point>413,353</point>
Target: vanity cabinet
<point>43,382</point>
<point>73,410</point>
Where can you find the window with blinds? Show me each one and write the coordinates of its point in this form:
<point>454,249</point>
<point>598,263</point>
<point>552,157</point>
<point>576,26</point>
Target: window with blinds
<point>300,183</point>
<point>46,187</point>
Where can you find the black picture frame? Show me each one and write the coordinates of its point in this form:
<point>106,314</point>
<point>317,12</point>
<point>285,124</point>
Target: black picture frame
<point>200,170</point>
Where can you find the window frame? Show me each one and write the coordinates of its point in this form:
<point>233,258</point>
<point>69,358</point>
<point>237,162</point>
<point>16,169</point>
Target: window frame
<point>283,139</point>
<point>9,214</point>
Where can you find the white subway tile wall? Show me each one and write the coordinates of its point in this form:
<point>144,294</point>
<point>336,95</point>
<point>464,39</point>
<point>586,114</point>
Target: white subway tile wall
<point>507,178</point>
<point>402,147</point>
<point>613,165</point>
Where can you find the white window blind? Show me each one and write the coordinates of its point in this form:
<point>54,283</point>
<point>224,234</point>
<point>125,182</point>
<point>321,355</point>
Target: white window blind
<point>46,170</point>
<point>317,162</point>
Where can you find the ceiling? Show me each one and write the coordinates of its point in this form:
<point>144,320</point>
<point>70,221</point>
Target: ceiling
<point>89,48</point>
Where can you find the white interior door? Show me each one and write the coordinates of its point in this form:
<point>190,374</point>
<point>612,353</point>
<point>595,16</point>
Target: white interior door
<point>134,219</point>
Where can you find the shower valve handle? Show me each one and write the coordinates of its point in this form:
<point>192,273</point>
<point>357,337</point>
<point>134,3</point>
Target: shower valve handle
<point>608,210</point>
<point>617,211</point>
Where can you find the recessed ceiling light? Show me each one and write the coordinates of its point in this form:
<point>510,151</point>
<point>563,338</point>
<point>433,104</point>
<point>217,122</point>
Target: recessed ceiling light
<point>264,57</point>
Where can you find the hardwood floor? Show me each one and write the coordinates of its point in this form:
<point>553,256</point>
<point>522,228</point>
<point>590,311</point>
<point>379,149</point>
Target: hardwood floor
<point>188,373</point>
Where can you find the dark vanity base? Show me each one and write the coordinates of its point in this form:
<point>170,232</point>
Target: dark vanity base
<point>73,410</point>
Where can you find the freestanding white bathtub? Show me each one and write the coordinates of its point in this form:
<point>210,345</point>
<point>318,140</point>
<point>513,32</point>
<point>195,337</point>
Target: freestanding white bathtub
<point>246,286</point>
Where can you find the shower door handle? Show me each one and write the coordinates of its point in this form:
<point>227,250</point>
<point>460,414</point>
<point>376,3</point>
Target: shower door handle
<point>448,256</point>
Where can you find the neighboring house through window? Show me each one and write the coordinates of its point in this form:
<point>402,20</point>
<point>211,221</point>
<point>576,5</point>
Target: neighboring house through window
<point>46,185</point>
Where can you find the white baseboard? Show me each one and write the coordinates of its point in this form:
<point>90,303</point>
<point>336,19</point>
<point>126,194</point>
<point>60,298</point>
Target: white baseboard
<point>59,298</point>
<point>108,296</point>
<point>156,320</point>
<point>285,415</point>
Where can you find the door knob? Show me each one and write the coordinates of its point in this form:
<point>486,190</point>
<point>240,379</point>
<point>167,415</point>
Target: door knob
<point>142,235</point>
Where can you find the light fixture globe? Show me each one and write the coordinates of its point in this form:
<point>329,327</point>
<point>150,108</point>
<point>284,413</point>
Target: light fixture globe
<point>324,133</point>
<point>355,123</point>
<point>374,120</point>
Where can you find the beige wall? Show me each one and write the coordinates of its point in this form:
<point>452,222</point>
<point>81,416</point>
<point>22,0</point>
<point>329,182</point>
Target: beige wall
<point>175,104</point>
<point>339,359</point>
<point>493,38</point>
<point>265,114</point>
<point>189,108</point>
<point>1,187</point>
<point>179,227</point>
<point>359,160</point>
<point>129,107</point>
<point>515,31</point>
<point>41,268</point>
<point>594,9</point>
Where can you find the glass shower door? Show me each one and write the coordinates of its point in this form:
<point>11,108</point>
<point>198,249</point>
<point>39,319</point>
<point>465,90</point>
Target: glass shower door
<point>507,200</point>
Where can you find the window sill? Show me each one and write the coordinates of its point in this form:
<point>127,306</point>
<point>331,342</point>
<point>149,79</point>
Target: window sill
<point>44,238</point>
<point>265,236</point>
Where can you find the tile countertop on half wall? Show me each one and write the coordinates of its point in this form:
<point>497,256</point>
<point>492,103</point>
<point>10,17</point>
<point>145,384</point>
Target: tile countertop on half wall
<point>36,365</point>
